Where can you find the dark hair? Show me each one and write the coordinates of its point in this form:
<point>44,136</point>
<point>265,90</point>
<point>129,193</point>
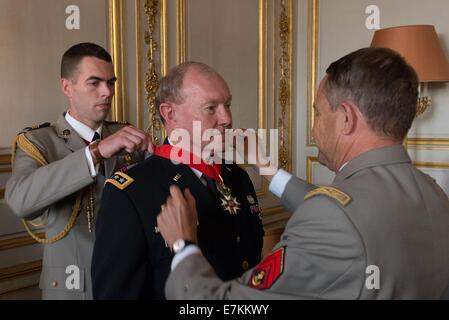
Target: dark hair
<point>73,56</point>
<point>171,84</point>
<point>381,84</point>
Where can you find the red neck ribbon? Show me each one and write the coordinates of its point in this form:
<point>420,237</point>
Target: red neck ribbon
<point>189,159</point>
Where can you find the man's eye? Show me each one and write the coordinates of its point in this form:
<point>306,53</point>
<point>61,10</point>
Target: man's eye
<point>228,106</point>
<point>93,83</point>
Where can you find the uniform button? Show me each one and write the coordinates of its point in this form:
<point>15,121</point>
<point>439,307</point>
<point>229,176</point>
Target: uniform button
<point>237,239</point>
<point>245,265</point>
<point>54,284</point>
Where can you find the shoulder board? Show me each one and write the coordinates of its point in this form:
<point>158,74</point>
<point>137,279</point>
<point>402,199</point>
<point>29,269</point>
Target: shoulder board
<point>120,180</point>
<point>117,122</point>
<point>46,124</point>
<point>331,192</point>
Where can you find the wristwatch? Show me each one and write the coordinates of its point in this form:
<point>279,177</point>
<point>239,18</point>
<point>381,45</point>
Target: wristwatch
<point>93,147</point>
<point>180,244</point>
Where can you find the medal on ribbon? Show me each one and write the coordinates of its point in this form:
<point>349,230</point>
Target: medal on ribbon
<point>228,202</point>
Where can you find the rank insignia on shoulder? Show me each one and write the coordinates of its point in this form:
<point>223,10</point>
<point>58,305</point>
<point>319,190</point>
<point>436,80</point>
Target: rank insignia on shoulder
<point>43,125</point>
<point>268,271</point>
<point>332,192</point>
<point>120,180</point>
<point>177,177</point>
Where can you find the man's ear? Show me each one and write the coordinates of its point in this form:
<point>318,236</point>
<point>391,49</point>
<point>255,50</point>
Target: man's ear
<point>167,112</point>
<point>66,87</point>
<point>351,114</point>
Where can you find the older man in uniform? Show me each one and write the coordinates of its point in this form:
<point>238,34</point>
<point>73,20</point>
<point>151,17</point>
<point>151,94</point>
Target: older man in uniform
<point>59,170</point>
<point>130,259</point>
<point>380,231</point>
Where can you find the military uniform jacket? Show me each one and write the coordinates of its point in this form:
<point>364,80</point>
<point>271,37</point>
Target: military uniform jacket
<point>131,259</point>
<point>381,231</point>
<point>50,191</point>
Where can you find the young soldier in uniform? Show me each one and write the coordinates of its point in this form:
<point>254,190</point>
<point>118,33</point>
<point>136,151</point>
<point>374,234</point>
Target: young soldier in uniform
<point>59,172</point>
<point>131,260</point>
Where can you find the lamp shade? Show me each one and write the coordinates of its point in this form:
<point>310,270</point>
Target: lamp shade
<point>421,48</point>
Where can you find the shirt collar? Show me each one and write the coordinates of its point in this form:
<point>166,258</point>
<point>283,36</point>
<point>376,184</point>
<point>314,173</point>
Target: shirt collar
<point>342,166</point>
<point>84,131</point>
<point>196,172</point>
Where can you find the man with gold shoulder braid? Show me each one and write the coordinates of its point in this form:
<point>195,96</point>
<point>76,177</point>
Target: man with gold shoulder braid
<point>59,170</point>
<point>379,231</point>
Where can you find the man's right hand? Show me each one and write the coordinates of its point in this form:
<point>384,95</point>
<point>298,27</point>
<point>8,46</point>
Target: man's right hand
<point>178,218</point>
<point>129,139</point>
<point>254,153</point>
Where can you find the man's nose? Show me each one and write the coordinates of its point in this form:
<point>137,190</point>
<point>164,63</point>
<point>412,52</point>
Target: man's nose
<point>106,90</point>
<point>224,116</point>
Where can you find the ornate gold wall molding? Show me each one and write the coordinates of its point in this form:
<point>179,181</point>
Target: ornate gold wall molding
<point>20,270</point>
<point>285,83</point>
<point>152,78</point>
<point>5,159</point>
<point>116,29</point>
<point>432,165</point>
<point>181,34</point>
<point>164,37</point>
<point>5,166</point>
<point>138,39</point>
<point>309,168</point>
<point>5,163</point>
<point>433,144</point>
<point>312,62</point>
<point>20,241</point>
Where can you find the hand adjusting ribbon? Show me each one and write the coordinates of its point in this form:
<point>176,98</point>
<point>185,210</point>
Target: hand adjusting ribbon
<point>213,171</point>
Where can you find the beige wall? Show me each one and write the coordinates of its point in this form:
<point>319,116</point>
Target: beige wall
<point>341,29</point>
<point>33,37</point>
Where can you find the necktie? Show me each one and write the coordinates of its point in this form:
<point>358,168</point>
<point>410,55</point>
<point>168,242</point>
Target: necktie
<point>96,137</point>
<point>101,165</point>
<point>211,185</point>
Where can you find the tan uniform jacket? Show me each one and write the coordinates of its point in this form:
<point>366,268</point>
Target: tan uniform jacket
<point>50,191</point>
<point>382,233</point>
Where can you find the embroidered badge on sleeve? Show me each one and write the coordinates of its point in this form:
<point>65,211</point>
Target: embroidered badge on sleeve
<point>268,271</point>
